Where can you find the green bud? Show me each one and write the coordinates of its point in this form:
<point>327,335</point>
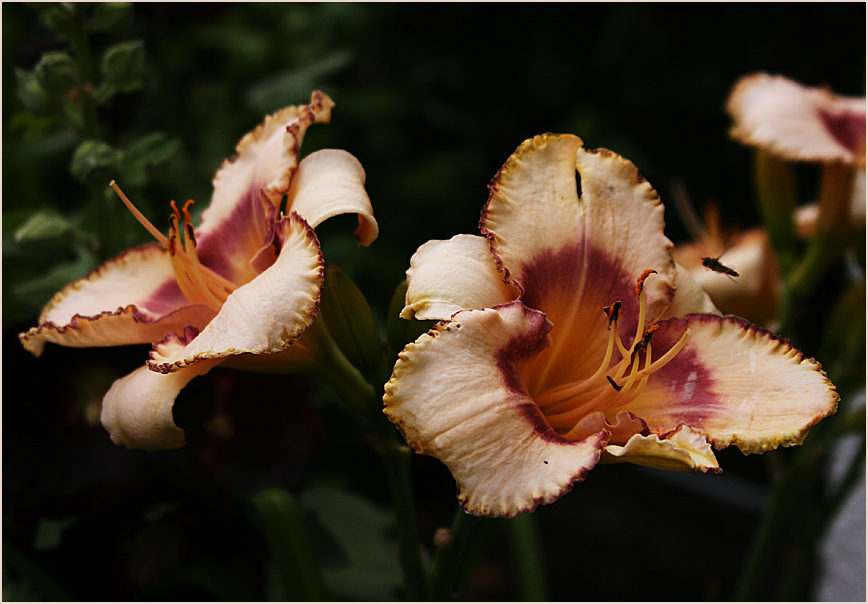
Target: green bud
<point>56,72</point>
<point>123,66</point>
<point>350,321</point>
<point>59,17</point>
<point>34,97</point>
<point>92,155</point>
<point>110,15</point>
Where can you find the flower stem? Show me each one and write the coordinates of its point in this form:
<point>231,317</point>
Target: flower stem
<point>528,557</point>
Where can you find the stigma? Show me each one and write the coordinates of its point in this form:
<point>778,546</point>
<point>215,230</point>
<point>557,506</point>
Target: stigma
<point>613,384</point>
<point>198,283</point>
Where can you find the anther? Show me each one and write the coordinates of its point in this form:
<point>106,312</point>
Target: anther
<point>614,384</point>
<point>640,283</point>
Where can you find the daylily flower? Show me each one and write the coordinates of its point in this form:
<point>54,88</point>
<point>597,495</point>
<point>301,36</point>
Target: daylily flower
<point>239,290</point>
<point>568,337</point>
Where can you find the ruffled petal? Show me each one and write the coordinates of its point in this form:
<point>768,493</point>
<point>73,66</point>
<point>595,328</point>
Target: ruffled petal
<point>457,394</point>
<point>447,276</point>
<point>573,256</point>
<point>137,409</point>
<point>796,122</point>
<point>736,383</point>
<point>332,182</point>
<point>130,299</point>
<point>248,189</point>
<point>265,315</point>
<point>684,450</point>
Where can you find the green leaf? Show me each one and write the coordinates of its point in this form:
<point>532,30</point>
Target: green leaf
<point>123,66</point>
<point>92,155</point>
<point>366,534</point>
<point>56,72</point>
<point>44,224</point>
<point>280,519</point>
<point>110,15</point>
<point>293,84</point>
<point>37,291</point>
<point>150,150</point>
<point>350,321</point>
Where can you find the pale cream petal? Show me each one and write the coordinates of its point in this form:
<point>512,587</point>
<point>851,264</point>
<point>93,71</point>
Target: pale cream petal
<point>690,295</point>
<point>736,383</point>
<point>130,299</point>
<point>249,187</point>
<point>457,394</point>
<point>265,315</point>
<point>797,122</point>
<point>447,276</point>
<point>573,255</point>
<point>685,450</point>
<point>137,409</point>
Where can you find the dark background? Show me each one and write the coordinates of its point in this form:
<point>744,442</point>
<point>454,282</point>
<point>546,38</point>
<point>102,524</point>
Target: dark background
<point>431,99</point>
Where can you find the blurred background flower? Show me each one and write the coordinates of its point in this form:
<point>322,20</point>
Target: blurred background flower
<point>430,99</point>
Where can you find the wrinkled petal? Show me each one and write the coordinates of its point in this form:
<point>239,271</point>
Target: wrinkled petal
<point>130,299</point>
<point>137,409</point>
<point>572,255</point>
<point>796,122</point>
<point>736,383</point>
<point>249,187</point>
<point>447,276</point>
<point>685,450</point>
<point>263,316</point>
<point>332,182</point>
<point>456,394</point>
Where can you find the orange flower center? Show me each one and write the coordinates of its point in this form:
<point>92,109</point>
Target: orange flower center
<point>199,284</point>
<point>611,386</point>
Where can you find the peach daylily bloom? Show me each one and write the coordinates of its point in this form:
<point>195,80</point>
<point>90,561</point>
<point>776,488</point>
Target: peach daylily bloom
<point>240,289</point>
<point>569,337</point>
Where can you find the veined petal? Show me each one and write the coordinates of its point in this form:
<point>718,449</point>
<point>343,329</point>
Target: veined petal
<point>736,383</point>
<point>456,393</point>
<point>332,182</point>
<point>684,450</point>
<point>248,189</point>
<point>130,299</point>
<point>573,256</point>
<point>796,122</point>
<point>459,274</point>
<point>265,315</point>
<point>137,409</point>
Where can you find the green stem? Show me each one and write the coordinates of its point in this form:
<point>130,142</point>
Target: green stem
<point>453,559</point>
<point>776,191</point>
<point>528,557</point>
<point>81,49</point>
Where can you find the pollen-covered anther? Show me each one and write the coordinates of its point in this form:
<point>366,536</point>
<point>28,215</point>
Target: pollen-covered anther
<point>612,385</point>
<point>198,283</point>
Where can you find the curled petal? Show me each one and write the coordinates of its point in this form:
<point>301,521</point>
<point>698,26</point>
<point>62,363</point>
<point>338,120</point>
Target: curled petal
<point>137,409</point>
<point>736,383</point>
<point>249,187</point>
<point>685,450</point>
<point>447,276</point>
<point>265,315</point>
<point>332,182</point>
<point>796,122</point>
<point>130,299</point>
<point>457,394</point>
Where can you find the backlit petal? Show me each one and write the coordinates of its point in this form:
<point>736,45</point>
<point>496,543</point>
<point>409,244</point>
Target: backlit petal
<point>684,450</point>
<point>137,409</point>
<point>332,182</point>
<point>736,383</point>
<point>130,299</point>
<point>265,315</point>
<point>456,393</point>
<point>447,276</point>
